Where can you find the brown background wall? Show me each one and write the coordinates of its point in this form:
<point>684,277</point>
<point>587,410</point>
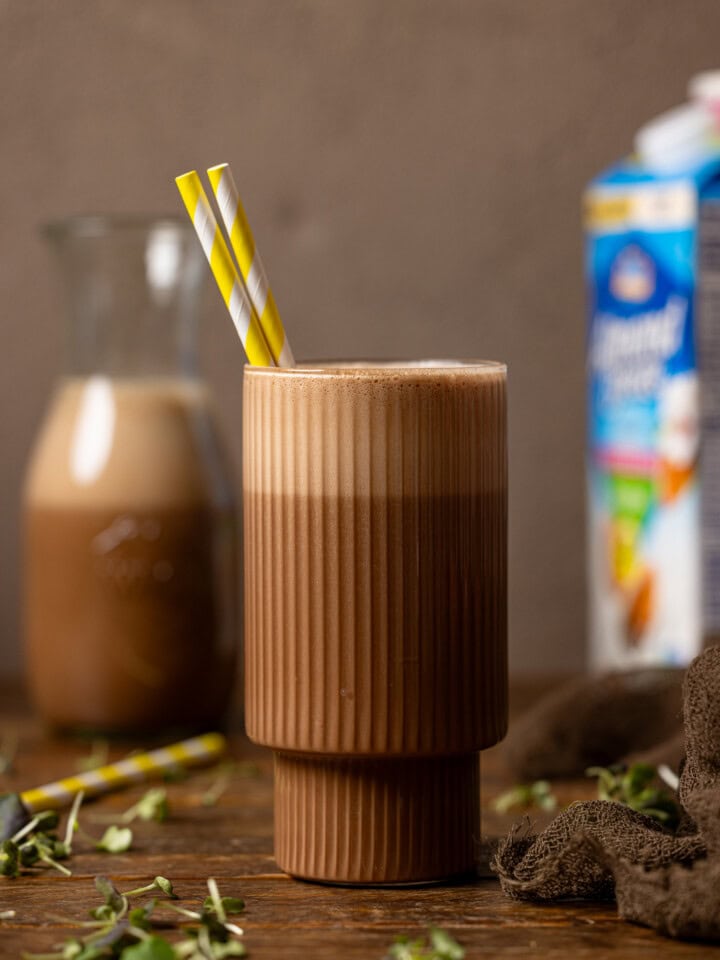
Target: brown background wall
<point>412,170</point>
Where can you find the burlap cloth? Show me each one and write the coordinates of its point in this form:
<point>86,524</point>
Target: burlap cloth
<point>600,849</point>
<point>598,721</point>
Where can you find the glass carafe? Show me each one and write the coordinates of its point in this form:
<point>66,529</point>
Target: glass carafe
<point>130,539</point>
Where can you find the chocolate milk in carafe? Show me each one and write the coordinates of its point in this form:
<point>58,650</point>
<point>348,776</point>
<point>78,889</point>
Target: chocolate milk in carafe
<point>129,516</point>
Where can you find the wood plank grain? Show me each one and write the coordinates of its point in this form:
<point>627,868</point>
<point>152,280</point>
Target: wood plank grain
<point>286,918</point>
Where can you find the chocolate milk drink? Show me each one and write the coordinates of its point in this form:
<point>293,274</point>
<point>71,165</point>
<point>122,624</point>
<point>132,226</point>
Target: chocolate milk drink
<point>129,559</point>
<point>130,591</point>
<point>375,503</point>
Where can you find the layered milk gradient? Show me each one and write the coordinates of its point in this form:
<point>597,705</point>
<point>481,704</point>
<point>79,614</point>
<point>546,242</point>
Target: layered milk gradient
<point>129,558</point>
<point>375,568</point>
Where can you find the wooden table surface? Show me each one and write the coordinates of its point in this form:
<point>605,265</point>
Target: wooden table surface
<point>286,918</point>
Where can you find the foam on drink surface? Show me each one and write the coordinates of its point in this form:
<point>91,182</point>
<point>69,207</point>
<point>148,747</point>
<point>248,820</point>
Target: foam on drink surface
<point>375,532</point>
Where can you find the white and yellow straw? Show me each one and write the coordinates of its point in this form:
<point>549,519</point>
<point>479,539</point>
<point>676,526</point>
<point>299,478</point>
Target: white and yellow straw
<point>188,753</point>
<point>250,263</point>
<point>226,276</point>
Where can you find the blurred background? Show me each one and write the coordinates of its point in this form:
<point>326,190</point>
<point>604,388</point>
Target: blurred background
<point>413,173</point>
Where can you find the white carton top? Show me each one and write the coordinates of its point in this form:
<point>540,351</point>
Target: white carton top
<point>675,140</point>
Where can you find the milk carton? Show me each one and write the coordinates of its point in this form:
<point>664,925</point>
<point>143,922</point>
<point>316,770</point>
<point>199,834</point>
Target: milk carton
<point>653,274</point>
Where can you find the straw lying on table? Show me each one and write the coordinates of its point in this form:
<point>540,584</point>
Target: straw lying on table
<point>246,291</point>
<point>188,753</point>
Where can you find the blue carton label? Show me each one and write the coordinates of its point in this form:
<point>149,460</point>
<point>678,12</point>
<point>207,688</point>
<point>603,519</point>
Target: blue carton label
<point>645,415</point>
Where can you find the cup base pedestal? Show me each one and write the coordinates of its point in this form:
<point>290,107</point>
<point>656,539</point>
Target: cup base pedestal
<point>370,820</point>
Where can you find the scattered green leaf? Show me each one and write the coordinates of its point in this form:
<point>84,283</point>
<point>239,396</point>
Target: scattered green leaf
<point>229,904</point>
<point>524,796</point>
<point>441,946</point>
<point>98,756</point>
<point>445,946</point>
<point>123,933</point>
<point>638,787</point>
<point>34,844</point>
<point>230,949</point>
<point>218,787</point>
<point>115,840</point>
<point>72,822</point>
<point>139,917</point>
<point>154,948</point>
<point>47,819</point>
<point>159,883</point>
<point>153,805</point>
<point>9,859</point>
<point>110,893</point>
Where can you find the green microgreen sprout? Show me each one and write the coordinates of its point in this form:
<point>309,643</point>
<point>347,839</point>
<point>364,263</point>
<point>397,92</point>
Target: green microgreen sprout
<point>217,905</point>
<point>98,756</point>
<point>9,859</point>
<point>72,821</point>
<point>29,827</point>
<point>152,805</point>
<point>219,785</point>
<point>636,787</point>
<point>229,904</point>
<point>441,946</point>
<point>524,796</point>
<point>115,904</point>
<point>33,844</point>
<point>36,843</point>
<point>221,906</point>
<point>153,948</point>
<point>115,840</point>
<point>159,883</point>
<point>50,851</point>
<point>120,930</point>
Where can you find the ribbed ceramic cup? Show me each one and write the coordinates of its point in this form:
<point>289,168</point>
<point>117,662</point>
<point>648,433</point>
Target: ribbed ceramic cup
<point>375,506</point>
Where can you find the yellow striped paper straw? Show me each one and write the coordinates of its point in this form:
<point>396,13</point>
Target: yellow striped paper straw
<point>226,276</point>
<point>187,753</point>
<point>251,266</point>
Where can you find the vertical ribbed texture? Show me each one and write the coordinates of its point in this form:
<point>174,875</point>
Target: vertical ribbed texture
<point>377,821</point>
<point>375,562</point>
<point>375,573</point>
